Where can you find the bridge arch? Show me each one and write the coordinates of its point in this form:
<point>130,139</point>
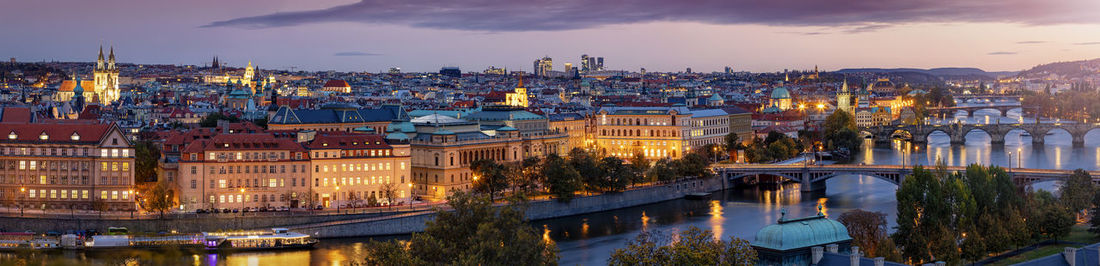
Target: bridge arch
<point>1000,113</point>
<point>1057,130</point>
<point>929,133</point>
<point>978,129</point>
<point>1092,134</point>
<point>785,176</point>
<point>895,179</point>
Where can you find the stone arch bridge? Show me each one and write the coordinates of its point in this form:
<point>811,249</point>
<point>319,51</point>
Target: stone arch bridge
<point>813,177</point>
<point>1002,108</point>
<point>957,132</point>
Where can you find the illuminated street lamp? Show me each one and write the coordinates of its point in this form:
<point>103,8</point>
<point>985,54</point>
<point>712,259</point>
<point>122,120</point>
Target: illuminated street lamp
<point>131,207</point>
<point>337,199</point>
<point>22,195</point>
<point>242,205</point>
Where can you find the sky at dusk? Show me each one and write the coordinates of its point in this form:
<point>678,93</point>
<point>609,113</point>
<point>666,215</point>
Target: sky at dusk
<point>660,35</point>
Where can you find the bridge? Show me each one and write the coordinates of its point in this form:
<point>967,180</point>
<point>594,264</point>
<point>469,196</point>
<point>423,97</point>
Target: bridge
<point>813,177</point>
<point>957,132</point>
<point>1002,108</point>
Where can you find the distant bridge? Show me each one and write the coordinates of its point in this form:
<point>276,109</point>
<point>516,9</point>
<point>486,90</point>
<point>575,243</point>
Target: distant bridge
<point>813,177</point>
<point>957,132</point>
<point>1002,108</point>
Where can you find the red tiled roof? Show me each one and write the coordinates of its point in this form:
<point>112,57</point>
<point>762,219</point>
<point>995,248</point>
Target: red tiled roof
<point>16,115</point>
<point>257,141</point>
<point>55,132</point>
<point>69,85</point>
<point>336,83</point>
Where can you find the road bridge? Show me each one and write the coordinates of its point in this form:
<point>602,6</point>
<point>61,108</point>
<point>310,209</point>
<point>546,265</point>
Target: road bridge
<point>813,177</point>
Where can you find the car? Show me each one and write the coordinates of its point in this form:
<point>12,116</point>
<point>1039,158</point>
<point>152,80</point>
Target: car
<point>319,207</point>
<point>236,210</point>
<point>199,211</point>
<point>284,209</point>
<point>270,209</point>
<point>226,210</point>
<point>245,209</point>
<point>261,209</point>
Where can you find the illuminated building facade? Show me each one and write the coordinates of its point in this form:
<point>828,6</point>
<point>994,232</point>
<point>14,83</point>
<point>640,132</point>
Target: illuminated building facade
<point>357,169</point>
<point>66,166</point>
<point>243,170</point>
<point>103,89</point>
<point>658,132</point>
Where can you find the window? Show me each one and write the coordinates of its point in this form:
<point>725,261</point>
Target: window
<point>221,183</point>
<point>271,183</point>
<point>84,194</point>
<point>114,166</point>
<point>114,195</point>
<point>194,183</point>
<point>104,168</point>
<point>194,170</point>
<point>125,166</point>
<point>125,195</point>
<point>126,153</point>
<point>103,195</point>
<point>31,194</point>
<point>103,153</point>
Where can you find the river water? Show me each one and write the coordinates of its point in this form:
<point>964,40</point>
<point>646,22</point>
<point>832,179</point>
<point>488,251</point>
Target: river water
<point>590,239</point>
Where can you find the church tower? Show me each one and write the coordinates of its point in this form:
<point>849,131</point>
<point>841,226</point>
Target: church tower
<point>519,97</point>
<point>249,72</point>
<point>106,78</point>
<point>844,98</point>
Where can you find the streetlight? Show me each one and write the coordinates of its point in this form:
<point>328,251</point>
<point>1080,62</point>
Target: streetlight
<point>22,195</point>
<point>131,207</point>
<point>242,205</point>
<point>337,199</point>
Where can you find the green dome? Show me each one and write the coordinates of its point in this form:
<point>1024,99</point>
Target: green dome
<point>801,233</point>
<point>781,93</point>
<point>397,136</point>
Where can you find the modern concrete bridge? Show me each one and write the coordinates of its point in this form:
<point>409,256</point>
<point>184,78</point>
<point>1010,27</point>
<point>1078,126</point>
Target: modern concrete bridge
<point>919,133</point>
<point>812,177</point>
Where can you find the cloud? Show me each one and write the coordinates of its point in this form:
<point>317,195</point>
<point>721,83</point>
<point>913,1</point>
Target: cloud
<point>1031,42</point>
<point>1002,53</point>
<point>867,28</point>
<point>541,15</point>
<point>808,33</point>
<point>1087,43</point>
<point>355,53</point>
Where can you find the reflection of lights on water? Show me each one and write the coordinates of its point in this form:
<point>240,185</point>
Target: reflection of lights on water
<point>584,228</point>
<point>645,221</point>
<point>546,234</point>
<point>716,218</point>
<point>1057,157</point>
<point>825,208</point>
<point>1097,155</point>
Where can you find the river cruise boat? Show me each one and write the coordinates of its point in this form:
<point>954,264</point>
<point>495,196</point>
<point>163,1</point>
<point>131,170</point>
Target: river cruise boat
<point>27,241</point>
<point>277,238</point>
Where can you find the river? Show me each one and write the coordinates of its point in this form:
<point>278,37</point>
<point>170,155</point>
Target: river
<point>590,239</point>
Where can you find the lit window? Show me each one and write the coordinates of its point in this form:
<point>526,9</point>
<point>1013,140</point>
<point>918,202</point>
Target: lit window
<point>114,195</point>
<point>125,195</point>
<point>12,135</point>
<point>103,195</point>
<point>103,153</point>
<point>114,152</point>
<point>272,183</point>
<point>43,136</point>
<point>75,137</point>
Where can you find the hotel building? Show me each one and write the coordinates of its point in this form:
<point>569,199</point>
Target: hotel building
<point>658,132</point>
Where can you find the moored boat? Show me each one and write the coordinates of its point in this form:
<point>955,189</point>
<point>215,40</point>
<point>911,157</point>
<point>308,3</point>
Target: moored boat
<point>277,238</point>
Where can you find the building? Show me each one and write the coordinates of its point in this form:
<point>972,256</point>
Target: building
<point>453,72</point>
<point>336,117</point>
<point>781,99</point>
<point>543,66</point>
<point>881,116</point>
<point>354,169</point>
<point>791,241</point>
<point>444,147</point>
<point>864,118</point>
<point>103,89</point>
<point>518,97</point>
<point>569,69</point>
<point>244,170</point>
<point>844,98</point>
<point>883,87</point>
<point>740,123</point>
<point>658,132</point>
<point>574,125</point>
<point>81,166</point>
<point>338,86</point>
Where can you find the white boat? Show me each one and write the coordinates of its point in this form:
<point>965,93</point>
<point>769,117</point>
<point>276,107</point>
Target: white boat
<point>277,238</point>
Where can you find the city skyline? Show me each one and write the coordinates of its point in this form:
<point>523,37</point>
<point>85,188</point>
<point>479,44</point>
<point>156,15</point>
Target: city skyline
<point>344,35</point>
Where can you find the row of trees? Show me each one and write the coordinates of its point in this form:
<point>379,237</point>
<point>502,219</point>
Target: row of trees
<point>582,171</point>
<point>776,147</point>
<point>963,216</point>
<point>1076,105</point>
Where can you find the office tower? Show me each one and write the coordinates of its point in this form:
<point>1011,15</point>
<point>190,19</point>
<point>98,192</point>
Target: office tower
<point>543,66</point>
<point>599,63</point>
<point>584,63</point>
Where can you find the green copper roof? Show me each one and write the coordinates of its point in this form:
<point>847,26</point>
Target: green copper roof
<point>801,233</point>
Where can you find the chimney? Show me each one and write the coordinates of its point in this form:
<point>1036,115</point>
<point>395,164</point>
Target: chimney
<point>832,248</point>
<point>880,261</point>
<point>1070,255</point>
<point>817,252</point>
<point>854,256</point>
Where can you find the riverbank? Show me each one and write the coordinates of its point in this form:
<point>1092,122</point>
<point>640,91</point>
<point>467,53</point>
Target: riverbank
<point>378,223</point>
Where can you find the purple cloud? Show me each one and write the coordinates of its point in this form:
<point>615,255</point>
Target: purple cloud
<point>1002,53</point>
<point>1087,43</point>
<point>1030,42</point>
<point>539,15</point>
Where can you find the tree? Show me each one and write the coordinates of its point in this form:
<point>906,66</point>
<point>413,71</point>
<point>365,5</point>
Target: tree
<point>733,142</point>
<point>1051,219</point>
<point>158,199</point>
<point>588,165</point>
<point>560,178</point>
<point>866,228</point>
<point>664,170</point>
<point>388,192</point>
<point>147,154</point>
<point>489,177</point>
<point>841,131</point>
<point>692,247</point>
<point>527,178</point>
<point>1077,191</point>
<point>616,175</point>
<point>638,167</point>
<point>474,233</point>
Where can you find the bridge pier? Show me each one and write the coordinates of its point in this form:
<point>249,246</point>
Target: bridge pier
<point>1078,140</point>
<point>1038,139</point>
<point>997,138</point>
